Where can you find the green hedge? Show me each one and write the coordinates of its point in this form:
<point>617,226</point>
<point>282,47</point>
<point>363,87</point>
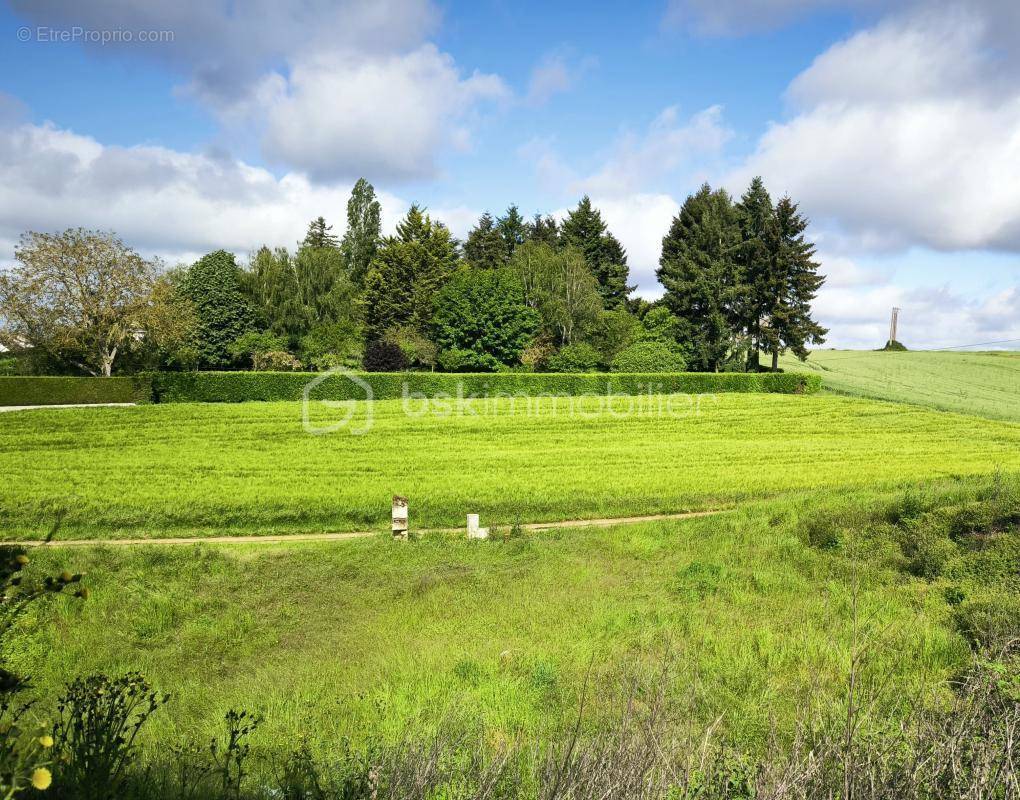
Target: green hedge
<point>47,391</point>
<point>236,387</point>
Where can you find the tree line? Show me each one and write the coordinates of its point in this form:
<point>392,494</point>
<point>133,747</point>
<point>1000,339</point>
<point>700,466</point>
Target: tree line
<point>525,294</point>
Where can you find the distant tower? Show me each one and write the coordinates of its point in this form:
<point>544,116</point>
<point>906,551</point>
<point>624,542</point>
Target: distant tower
<point>892,325</point>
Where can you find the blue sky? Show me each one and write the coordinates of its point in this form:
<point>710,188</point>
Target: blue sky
<point>896,125</point>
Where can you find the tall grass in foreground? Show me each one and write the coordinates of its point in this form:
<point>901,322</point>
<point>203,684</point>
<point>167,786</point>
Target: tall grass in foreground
<point>865,731</point>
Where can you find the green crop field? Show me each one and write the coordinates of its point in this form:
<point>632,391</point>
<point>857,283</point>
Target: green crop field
<point>987,384</point>
<point>251,468</point>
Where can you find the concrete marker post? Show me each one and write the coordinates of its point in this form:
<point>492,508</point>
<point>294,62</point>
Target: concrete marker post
<point>399,518</point>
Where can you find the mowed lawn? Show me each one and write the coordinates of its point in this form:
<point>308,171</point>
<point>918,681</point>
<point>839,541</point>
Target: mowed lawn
<point>166,470</point>
<point>987,384</point>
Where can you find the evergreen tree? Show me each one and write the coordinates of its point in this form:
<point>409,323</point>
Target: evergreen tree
<point>361,239</point>
<point>791,312</point>
<point>319,234</point>
<point>584,229</point>
<point>543,229</point>
<point>512,229</point>
<point>757,257</point>
<point>485,247</point>
<point>700,274</point>
<point>406,273</point>
<point>213,285</point>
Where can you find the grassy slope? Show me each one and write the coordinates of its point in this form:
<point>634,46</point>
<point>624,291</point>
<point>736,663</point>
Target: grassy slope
<point>334,640</point>
<point>170,469</point>
<point>986,384</point>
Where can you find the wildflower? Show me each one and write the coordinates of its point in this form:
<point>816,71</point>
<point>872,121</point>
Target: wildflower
<point>41,778</point>
<point>46,740</point>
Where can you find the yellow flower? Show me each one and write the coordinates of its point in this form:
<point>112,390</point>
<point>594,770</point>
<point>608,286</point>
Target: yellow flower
<point>46,740</point>
<point>41,778</point>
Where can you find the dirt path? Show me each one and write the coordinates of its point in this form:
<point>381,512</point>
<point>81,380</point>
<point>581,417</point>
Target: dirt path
<point>67,405</point>
<point>339,537</point>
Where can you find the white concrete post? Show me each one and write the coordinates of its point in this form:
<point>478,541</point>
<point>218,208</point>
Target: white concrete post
<point>399,517</point>
<point>473,531</point>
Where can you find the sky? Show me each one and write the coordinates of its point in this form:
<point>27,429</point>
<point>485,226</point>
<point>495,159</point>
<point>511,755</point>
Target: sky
<point>193,125</point>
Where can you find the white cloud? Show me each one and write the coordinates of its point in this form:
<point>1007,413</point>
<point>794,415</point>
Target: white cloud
<point>336,88</point>
<point>162,202</point>
<point>340,117</point>
<point>670,145</point>
<point>905,134</point>
<point>223,48</point>
<point>639,221</point>
<point>931,316</point>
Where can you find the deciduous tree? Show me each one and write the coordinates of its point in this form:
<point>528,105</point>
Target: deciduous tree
<point>213,284</point>
<point>363,234</point>
<point>484,312</point>
<point>83,297</point>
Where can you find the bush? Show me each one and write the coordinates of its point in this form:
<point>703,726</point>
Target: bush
<point>383,356</point>
<point>43,391</point>
<point>236,387</point>
<point>574,358</point>
<point>459,360</point>
<point>649,356</point>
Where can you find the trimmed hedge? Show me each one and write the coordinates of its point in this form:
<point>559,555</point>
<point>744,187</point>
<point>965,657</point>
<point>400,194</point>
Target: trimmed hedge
<point>47,391</point>
<point>236,387</point>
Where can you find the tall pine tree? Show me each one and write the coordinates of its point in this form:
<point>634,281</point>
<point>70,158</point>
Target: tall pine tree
<point>512,229</point>
<point>485,247</point>
<point>757,256</point>
<point>699,272</point>
<point>797,282</point>
<point>361,239</point>
<point>544,230</point>
<point>584,229</point>
<point>407,271</point>
<point>319,234</point>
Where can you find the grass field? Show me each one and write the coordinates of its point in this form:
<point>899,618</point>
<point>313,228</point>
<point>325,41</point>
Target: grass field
<point>251,468</point>
<point>362,638</point>
<point>987,384</point>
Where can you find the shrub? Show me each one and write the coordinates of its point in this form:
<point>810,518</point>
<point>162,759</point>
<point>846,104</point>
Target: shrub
<point>649,356</point>
<point>989,624</point>
<point>236,387</point>
<point>384,356</point>
<point>41,391</point>
<point>574,358</point>
<point>459,360</point>
<point>926,550</point>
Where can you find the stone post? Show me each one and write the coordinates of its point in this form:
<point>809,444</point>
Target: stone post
<point>399,517</point>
